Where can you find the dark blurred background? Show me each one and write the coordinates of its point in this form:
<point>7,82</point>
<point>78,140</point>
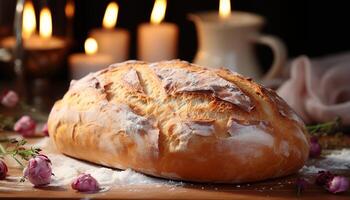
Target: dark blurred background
<point>310,27</point>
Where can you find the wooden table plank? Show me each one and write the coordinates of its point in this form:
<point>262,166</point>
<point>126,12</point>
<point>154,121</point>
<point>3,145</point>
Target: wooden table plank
<point>282,188</point>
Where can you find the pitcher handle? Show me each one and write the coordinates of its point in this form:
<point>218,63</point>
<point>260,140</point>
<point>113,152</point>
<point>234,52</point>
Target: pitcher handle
<point>279,51</point>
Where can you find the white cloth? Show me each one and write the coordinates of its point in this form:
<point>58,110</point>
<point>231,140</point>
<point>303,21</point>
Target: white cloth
<point>319,89</point>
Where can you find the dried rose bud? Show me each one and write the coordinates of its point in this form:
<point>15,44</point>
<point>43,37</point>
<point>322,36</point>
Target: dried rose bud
<point>45,130</point>
<point>9,99</point>
<point>338,184</point>
<point>323,177</point>
<point>3,170</point>
<point>315,148</point>
<point>25,126</point>
<point>38,171</point>
<point>85,183</point>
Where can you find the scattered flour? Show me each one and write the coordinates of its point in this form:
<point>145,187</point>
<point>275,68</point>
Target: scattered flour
<point>66,169</point>
<point>339,160</point>
<point>335,160</point>
<point>310,170</point>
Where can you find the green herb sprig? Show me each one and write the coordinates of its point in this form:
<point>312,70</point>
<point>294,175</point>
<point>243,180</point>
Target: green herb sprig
<point>15,148</point>
<point>325,128</point>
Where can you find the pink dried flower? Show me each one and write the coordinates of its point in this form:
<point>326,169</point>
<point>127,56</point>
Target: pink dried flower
<point>9,99</point>
<point>332,182</point>
<point>38,171</point>
<point>323,177</point>
<point>25,126</point>
<point>85,183</point>
<point>338,184</point>
<point>45,130</point>
<point>315,148</point>
<point>3,170</point>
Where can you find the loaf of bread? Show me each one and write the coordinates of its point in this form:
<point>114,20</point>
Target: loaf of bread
<point>177,120</point>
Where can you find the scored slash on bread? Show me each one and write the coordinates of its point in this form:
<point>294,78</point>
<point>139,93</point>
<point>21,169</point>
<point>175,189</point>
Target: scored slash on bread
<point>177,120</point>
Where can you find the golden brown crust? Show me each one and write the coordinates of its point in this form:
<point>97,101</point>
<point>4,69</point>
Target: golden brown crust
<point>177,120</point>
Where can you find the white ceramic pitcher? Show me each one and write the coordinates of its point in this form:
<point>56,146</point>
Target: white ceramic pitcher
<point>230,42</point>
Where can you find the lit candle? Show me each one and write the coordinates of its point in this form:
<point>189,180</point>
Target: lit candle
<point>29,20</point>
<point>69,11</point>
<point>82,64</point>
<point>224,9</point>
<point>45,28</point>
<point>32,41</point>
<point>156,40</point>
<point>111,41</point>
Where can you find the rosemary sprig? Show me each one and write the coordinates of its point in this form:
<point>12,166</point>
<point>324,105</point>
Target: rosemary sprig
<point>326,128</point>
<point>15,148</point>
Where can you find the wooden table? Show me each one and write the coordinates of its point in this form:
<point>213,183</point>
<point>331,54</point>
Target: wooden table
<point>282,188</point>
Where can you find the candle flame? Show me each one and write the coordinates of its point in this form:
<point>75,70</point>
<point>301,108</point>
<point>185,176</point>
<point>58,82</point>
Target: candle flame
<point>29,21</point>
<point>158,12</point>
<point>45,28</point>
<point>69,9</point>
<point>111,15</point>
<point>225,8</point>
<point>90,46</point>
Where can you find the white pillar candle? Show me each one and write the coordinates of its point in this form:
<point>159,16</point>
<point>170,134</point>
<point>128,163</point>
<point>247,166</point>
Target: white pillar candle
<point>82,64</point>
<point>113,42</point>
<point>35,42</point>
<point>157,41</point>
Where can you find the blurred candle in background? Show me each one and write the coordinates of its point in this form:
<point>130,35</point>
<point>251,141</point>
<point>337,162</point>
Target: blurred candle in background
<point>224,9</point>
<point>43,53</point>
<point>111,41</point>
<point>45,40</point>
<point>29,20</point>
<point>69,11</point>
<point>45,26</point>
<point>156,40</point>
<point>82,64</point>
<point>33,41</point>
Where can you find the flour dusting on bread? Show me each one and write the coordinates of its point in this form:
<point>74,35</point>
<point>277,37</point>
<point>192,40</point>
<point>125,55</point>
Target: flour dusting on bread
<point>131,79</point>
<point>144,131</point>
<point>183,131</point>
<point>177,80</point>
<point>201,127</point>
<point>251,132</point>
<point>282,106</point>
